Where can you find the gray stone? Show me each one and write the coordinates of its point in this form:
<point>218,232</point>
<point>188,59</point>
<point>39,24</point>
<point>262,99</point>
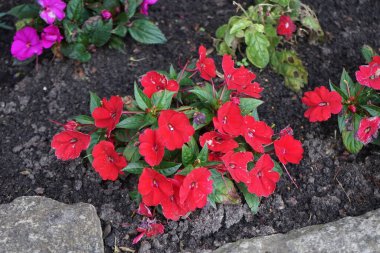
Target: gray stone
<point>350,234</point>
<point>39,225</point>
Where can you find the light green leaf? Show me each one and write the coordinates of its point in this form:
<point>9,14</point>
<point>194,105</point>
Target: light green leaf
<point>248,105</point>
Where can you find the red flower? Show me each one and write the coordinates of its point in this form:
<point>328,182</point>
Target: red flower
<point>171,207</point>
<point>257,133</point>
<point>149,228</point>
<point>151,147</point>
<point>69,144</point>
<point>195,188</point>
<point>154,187</point>
<point>108,115</point>
<point>144,210</point>
<point>229,119</point>
<point>174,129</point>
<point>286,27</point>
<point>217,157</point>
<point>263,178</point>
<point>218,142</point>
<point>236,164</point>
<point>154,82</point>
<point>70,125</point>
<point>107,162</point>
<point>252,89</point>
<point>237,79</point>
<point>205,66</point>
<point>368,129</point>
<point>288,149</point>
<point>322,103</point>
<point>369,75</point>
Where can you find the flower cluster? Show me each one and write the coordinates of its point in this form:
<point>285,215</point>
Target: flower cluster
<point>43,26</point>
<point>357,104</point>
<point>263,29</point>
<point>190,142</point>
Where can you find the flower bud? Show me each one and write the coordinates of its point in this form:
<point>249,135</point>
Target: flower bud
<point>106,14</point>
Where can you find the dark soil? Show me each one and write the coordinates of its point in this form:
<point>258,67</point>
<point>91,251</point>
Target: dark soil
<point>332,183</point>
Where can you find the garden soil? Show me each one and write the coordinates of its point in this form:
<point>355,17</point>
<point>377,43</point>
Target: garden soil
<point>331,183</point>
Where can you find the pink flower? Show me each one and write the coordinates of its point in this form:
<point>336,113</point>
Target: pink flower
<point>145,6</point>
<point>52,9</point>
<point>106,14</point>
<point>26,44</point>
<point>369,75</point>
<point>368,129</point>
<point>50,35</point>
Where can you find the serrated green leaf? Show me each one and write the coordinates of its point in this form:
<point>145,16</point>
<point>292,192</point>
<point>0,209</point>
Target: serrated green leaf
<point>146,32</point>
<point>97,30</point>
<point>117,43</point>
<point>75,10</point>
<point>141,99</point>
<point>132,6</point>
<point>120,31</point>
<point>188,155</point>
<point>240,24</point>
<point>257,48</point>
<point>252,200</point>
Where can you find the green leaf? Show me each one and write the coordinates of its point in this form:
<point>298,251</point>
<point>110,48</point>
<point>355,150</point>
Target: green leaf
<point>131,152</point>
<point>345,81</point>
<point>205,94</point>
<point>252,200</point>
<point>221,31</point>
<point>24,11</point>
<point>240,24</point>
<point>120,31</point>
<point>162,99</point>
<point>248,105</point>
<point>97,30</point>
<point>372,109</point>
<point>208,118</point>
<point>75,10</point>
<point>349,141</point>
<point>188,155</point>
<point>94,101</point>
<point>136,167</point>
<point>311,22</point>
<point>84,119</point>
<point>257,48</point>
<point>172,72</point>
<point>117,43</point>
<point>141,99</point>
<point>146,32</point>
<point>277,168</point>
<point>132,6</point>
<point>186,170</point>
<point>224,191</point>
<point>341,92</point>
<point>71,30</point>
<point>76,51</point>
<point>133,122</point>
<point>203,155</point>
<point>368,53</point>
<point>168,168</point>
<point>96,137</point>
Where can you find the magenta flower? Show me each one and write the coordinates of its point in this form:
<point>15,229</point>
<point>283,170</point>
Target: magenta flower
<point>106,14</point>
<point>52,9</point>
<point>50,35</point>
<point>145,6</point>
<point>26,44</point>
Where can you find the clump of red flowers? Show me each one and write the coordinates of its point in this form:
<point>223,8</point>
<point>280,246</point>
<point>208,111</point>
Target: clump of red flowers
<point>190,143</point>
<point>286,26</point>
<point>356,103</point>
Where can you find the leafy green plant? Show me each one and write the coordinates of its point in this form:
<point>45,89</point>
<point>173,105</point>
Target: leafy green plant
<point>77,27</point>
<point>356,103</point>
<point>263,36</point>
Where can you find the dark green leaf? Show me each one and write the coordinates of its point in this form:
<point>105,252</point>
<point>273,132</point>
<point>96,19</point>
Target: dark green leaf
<point>141,99</point>
<point>136,167</point>
<point>133,122</point>
<point>98,30</point>
<point>131,152</point>
<point>76,51</point>
<point>120,31</point>
<point>203,155</point>
<point>162,99</point>
<point>71,30</point>
<point>345,82</point>
<point>372,109</point>
<point>96,137</point>
<point>342,93</point>
<point>117,43</point>
<point>84,119</point>
<point>146,32</point>
<point>94,101</point>
<point>75,10</point>
<point>252,200</point>
<point>24,11</point>
<point>367,53</point>
<point>168,168</point>
<point>132,6</point>
<point>224,191</point>
<point>188,155</point>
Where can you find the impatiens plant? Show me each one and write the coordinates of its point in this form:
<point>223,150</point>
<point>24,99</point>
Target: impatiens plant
<point>76,28</point>
<point>191,142</point>
<point>264,34</point>
<point>356,103</point>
